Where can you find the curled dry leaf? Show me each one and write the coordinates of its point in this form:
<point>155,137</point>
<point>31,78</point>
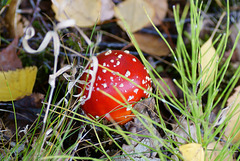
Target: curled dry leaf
<point>208,62</point>
<point>152,44</point>
<point>233,125</point>
<point>192,152</point>
<point>132,11</point>
<point>8,57</point>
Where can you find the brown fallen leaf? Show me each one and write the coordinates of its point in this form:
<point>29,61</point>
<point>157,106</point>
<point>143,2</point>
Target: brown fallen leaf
<point>27,111</point>
<point>233,124</point>
<point>132,11</point>
<point>15,27</point>
<point>186,131</point>
<point>170,85</point>
<point>107,10</point>
<point>233,35</point>
<point>8,57</point>
<point>214,149</point>
<point>161,8</point>
<point>152,44</point>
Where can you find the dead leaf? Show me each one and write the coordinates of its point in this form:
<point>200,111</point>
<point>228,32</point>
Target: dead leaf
<point>27,110</point>
<point>146,108</point>
<point>12,18</point>
<point>17,84</point>
<point>8,57</point>
<point>161,8</point>
<point>169,83</point>
<point>152,44</point>
<point>86,13</point>
<point>233,35</point>
<point>213,151</point>
<point>233,125</point>
<point>192,152</point>
<point>107,10</point>
<point>133,13</point>
<point>208,62</point>
<point>186,131</point>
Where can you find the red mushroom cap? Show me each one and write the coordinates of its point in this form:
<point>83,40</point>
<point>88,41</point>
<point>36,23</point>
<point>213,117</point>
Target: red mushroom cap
<point>129,66</point>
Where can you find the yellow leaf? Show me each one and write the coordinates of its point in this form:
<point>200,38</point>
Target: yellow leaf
<point>85,12</point>
<point>192,152</point>
<point>208,62</point>
<point>133,13</point>
<point>233,125</point>
<point>17,84</point>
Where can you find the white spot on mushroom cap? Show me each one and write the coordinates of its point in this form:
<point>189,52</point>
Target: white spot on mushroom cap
<point>108,52</point>
<point>112,61</point>
<point>104,70</point>
<point>121,85</point>
<point>148,78</point>
<point>144,81</point>
<point>97,117</point>
<point>134,59</point>
<point>128,108</point>
<point>118,63</point>
<point>104,85</point>
<point>130,98</point>
<point>111,78</point>
<point>127,73</point>
<point>126,51</point>
<point>135,90</point>
<point>119,56</point>
<point>99,78</point>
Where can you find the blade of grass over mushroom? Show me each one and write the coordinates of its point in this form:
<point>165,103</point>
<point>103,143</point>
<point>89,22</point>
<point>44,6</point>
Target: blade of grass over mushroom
<point>146,63</point>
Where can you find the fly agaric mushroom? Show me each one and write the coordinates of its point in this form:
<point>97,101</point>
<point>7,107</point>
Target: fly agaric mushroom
<point>100,105</point>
